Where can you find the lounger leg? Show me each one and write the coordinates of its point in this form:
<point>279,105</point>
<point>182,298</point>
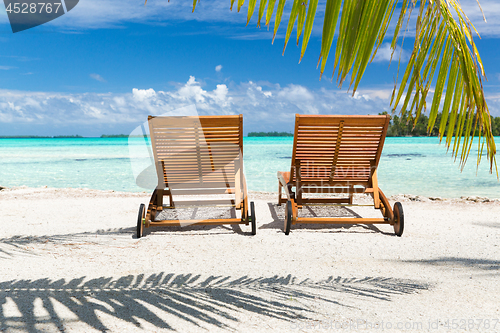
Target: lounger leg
<point>151,212</point>
<point>387,212</point>
<point>279,193</point>
<point>170,199</point>
<point>351,194</point>
<point>295,211</point>
<point>159,199</point>
<point>246,205</point>
<point>298,185</point>
<point>374,185</point>
<point>244,200</point>
<point>239,187</point>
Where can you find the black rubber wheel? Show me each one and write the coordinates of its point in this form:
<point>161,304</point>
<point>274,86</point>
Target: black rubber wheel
<point>288,217</point>
<point>252,218</point>
<point>399,219</point>
<point>140,224</point>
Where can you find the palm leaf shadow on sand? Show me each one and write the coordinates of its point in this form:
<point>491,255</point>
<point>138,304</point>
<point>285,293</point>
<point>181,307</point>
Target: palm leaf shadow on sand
<point>209,302</point>
<point>20,245</point>
<point>462,262</point>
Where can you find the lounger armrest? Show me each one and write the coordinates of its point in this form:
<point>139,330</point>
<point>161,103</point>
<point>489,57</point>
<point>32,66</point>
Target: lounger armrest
<point>282,178</point>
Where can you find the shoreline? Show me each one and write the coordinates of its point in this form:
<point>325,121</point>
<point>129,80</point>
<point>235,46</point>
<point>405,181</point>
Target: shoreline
<point>257,194</point>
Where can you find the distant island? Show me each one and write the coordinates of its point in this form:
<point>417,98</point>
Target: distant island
<point>67,136</point>
<point>260,134</point>
<point>114,136</point>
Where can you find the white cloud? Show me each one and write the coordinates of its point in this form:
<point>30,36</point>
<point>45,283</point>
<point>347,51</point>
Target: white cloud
<point>6,68</point>
<point>491,9</point>
<point>383,93</point>
<point>218,68</point>
<point>191,91</point>
<point>96,14</point>
<point>97,77</point>
<point>220,94</point>
<point>295,93</point>
<point>357,95</point>
<point>265,106</point>
<point>493,100</point>
<point>138,94</point>
<point>385,52</point>
<point>260,106</point>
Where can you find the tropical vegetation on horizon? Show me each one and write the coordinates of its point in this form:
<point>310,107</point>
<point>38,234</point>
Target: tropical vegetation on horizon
<point>406,126</point>
<point>399,126</point>
<point>444,55</point>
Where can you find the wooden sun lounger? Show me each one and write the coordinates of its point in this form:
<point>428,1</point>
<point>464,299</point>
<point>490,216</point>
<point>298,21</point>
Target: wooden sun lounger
<point>199,157</point>
<point>336,154</point>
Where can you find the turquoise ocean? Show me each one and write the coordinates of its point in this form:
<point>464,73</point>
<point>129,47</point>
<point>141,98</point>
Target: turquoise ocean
<point>417,165</point>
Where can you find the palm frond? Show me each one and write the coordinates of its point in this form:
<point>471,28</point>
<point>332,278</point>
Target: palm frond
<point>444,56</point>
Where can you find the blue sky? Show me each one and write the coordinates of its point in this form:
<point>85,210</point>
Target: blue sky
<point>105,65</point>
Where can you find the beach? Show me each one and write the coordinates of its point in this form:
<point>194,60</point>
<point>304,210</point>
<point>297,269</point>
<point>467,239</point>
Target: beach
<point>71,262</point>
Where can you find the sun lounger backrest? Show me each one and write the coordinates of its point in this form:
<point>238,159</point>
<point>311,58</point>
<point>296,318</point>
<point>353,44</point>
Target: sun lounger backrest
<point>197,152</point>
<point>338,148</point>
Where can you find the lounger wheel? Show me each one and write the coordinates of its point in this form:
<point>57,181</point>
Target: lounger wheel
<point>140,220</point>
<point>288,217</point>
<point>399,219</point>
<point>252,218</point>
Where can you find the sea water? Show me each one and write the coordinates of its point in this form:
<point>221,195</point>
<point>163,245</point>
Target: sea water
<point>417,165</point>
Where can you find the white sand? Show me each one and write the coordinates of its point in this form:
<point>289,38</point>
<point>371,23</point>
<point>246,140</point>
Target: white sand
<point>70,262</point>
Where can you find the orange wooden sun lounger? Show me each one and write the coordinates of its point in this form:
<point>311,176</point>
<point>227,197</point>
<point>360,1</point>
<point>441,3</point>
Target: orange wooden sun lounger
<point>336,154</point>
<point>197,158</point>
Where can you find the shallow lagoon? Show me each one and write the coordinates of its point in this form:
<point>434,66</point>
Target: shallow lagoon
<point>419,166</point>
